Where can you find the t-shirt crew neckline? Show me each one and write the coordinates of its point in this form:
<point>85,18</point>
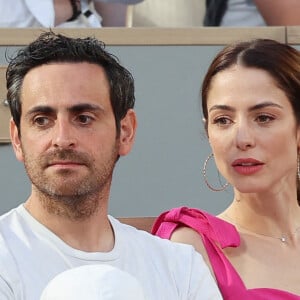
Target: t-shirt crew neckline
<point>45,234</point>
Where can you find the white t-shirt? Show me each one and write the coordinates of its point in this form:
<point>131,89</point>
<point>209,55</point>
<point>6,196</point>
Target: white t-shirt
<point>31,255</point>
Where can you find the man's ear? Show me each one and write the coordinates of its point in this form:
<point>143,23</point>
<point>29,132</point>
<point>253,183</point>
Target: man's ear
<point>128,127</point>
<point>15,140</point>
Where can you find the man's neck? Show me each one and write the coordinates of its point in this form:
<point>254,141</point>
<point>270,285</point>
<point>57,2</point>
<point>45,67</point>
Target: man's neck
<point>91,234</point>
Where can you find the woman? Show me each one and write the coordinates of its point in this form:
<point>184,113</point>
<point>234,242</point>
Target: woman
<point>251,108</point>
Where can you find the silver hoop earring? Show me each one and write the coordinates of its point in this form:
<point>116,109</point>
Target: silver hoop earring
<point>223,187</point>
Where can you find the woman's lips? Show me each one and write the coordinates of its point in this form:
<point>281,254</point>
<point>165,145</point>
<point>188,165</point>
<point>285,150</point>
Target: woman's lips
<point>247,166</point>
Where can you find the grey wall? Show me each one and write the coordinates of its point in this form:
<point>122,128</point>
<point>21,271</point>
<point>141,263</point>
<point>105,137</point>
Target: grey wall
<point>164,168</point>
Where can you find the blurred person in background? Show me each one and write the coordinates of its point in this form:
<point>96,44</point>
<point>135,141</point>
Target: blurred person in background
<point>245,13</point>
<point>64,13</point>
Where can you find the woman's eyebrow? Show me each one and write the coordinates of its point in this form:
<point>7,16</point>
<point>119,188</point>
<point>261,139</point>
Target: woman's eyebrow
<point>221,107</point>
<point>263,105</point>
<point>252,108</point>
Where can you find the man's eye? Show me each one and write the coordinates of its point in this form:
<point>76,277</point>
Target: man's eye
<point>41,121</point>
<point>84,119</point>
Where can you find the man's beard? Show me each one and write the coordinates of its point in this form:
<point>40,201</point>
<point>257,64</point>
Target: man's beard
<point>77,198</point>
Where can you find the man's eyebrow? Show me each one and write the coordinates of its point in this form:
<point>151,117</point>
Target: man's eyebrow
<point>41,109</point>
<point>44,109</point>
<point>85,107</point>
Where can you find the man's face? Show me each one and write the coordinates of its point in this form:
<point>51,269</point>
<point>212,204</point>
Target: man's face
<point>68,138</point>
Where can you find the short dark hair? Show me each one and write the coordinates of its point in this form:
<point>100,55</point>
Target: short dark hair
<point>50,47</point>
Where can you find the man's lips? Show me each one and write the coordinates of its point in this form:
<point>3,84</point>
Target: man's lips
<point>64,163</point>
<point>65,158</point>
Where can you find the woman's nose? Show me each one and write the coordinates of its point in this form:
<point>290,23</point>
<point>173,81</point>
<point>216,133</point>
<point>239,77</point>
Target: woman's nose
<point>244,136</point>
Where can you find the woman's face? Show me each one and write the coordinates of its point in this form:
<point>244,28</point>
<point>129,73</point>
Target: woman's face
<point>252,130</point>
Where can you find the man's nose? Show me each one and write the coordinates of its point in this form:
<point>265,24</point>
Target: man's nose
<point>63,134</point>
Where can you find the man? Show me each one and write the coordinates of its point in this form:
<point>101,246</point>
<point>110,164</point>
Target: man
<point>72,108</point>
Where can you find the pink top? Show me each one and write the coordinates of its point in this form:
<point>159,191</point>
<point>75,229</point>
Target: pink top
<point>214,232</point>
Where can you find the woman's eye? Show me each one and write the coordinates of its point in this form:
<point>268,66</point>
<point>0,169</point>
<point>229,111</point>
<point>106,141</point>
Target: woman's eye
<point>264,118</point>
<point>222,121</point>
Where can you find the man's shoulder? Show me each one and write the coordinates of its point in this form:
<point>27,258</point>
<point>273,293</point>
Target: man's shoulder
<point>178,261</point>
<point>143,239</point>
<point>8,231</point>
<point>8,268</point>
<point>6,259</point>
<point>9,215</point>
<point>10,223</point>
